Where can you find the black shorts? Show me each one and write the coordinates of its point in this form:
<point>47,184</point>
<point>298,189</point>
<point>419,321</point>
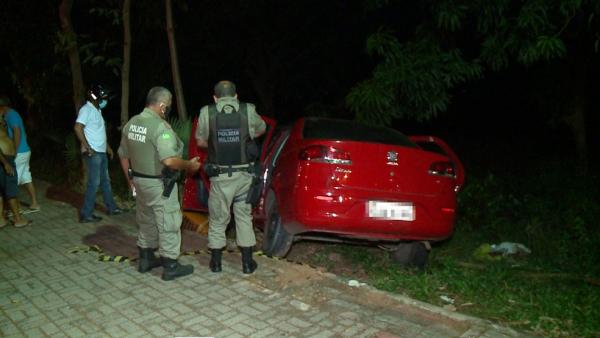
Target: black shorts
<point>8,184</point>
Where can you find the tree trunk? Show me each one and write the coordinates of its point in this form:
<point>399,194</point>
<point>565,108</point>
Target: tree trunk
<point>64,13</point>
<point>126,63</point>
<point>174,63</point>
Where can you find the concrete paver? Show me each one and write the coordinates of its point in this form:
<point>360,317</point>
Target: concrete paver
<point>45,291</point>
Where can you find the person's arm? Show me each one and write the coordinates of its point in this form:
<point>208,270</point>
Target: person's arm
<point>201,134</point>
<point>123,153</point>
<point>109,151</point>
<point>7,166</point>
<point>81,136</point>
<point>177,163</point>
<point>16,136</point>
<point>257,122</point>
<point>166,142</point>
<point>202,143</point>
<point>259,132</point>
<point>125,166</point>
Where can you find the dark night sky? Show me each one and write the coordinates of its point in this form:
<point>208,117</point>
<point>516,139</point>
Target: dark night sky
<point>307,54</point>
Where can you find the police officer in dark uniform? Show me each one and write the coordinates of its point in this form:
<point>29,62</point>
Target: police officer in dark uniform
<point>227,129</point>
<point>150,153</point>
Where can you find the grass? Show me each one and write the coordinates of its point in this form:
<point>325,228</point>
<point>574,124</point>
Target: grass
<point>554,292</point>
<point>522,294</point>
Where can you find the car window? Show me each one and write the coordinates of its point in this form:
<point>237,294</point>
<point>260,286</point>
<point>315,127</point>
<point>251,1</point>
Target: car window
<point>432,147</point>
<point>346,130</point>
<point>274,139</point>
<point>285,135</point>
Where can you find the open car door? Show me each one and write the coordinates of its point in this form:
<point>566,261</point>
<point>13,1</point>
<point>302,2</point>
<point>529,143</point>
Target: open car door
<point>437,145</point>
<point>196,187</point>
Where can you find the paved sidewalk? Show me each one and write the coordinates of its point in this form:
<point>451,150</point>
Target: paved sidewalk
<point>45,291</point>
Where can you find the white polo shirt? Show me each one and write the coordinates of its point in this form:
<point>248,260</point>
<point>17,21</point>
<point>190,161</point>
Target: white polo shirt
<point>94,127</point>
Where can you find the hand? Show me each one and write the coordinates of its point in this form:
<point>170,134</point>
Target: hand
<point>194,165</point>
<point>110,153</point>
<point>132,188</point>
<point>9,169</point>
<point>89,151</point>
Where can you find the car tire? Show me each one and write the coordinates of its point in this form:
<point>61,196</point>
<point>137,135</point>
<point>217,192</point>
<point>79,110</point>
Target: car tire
<point>411,255</point>
<point>276,240</point>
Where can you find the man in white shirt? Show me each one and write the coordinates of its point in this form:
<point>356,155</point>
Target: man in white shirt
<point>91,132</point>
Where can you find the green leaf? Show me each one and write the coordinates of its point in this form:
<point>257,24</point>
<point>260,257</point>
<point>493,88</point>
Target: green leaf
<point>550,47</point>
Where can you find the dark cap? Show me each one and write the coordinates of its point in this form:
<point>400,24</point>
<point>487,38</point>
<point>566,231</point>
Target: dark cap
<point>225,88</point>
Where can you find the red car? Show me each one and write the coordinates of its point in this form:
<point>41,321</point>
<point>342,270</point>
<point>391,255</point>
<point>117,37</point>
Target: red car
<point>338,180</point>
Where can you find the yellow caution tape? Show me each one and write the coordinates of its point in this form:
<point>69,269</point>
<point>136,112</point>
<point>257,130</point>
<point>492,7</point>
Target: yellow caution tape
<point>122,259</point>
<point>101,256</point>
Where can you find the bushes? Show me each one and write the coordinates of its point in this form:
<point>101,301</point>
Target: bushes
<point>552,211</point>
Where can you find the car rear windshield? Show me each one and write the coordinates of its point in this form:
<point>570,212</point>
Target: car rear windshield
<point>345,130</point>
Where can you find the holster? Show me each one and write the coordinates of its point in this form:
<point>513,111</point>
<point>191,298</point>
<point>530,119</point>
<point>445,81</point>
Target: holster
<point>211,169</point>
<point>169,178</point>
<point>256,186</point>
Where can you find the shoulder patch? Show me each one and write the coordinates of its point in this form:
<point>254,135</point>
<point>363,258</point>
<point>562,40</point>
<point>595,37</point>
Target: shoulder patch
<point>165,136</point>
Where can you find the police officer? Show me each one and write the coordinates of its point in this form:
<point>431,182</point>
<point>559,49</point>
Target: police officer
<point>150,153</point>
<point>227,129</point>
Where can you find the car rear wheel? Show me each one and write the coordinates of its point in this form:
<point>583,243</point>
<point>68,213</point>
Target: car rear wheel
<point>411,255</point>
<point>276,240</point>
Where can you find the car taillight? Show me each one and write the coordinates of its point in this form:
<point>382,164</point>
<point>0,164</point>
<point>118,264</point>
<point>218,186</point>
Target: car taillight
<point>442,169</point>
<point>319,153</point>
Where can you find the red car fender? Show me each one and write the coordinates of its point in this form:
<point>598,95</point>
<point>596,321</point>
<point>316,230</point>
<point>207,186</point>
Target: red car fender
<point>460,170</point>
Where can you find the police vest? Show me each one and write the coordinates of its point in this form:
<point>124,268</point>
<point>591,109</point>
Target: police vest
<point>228,136</point>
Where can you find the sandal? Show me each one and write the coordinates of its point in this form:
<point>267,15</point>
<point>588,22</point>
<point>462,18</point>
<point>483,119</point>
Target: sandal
<point>20,225</point>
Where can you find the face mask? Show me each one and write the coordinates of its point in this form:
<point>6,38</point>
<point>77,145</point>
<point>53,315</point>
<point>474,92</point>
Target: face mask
<point>102,104</point>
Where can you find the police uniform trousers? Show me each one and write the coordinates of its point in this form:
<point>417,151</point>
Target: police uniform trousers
<point>224,191</point>
<point>159,218</point>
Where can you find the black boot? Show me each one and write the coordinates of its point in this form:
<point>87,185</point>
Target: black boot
<point>146,260</point>
<point>248,264</point>
<point>215,260</point>
<point>172,269</point>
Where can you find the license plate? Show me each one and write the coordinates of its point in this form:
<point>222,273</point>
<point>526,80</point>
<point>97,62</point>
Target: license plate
<point>400,211</point>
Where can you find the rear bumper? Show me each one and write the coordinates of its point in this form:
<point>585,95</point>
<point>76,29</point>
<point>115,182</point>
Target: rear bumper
<point>347,215</point>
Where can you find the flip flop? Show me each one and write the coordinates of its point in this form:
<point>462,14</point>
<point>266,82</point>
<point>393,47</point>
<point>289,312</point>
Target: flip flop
<point>9,213</point>
<point>30,210</point>
<point>23,224</point>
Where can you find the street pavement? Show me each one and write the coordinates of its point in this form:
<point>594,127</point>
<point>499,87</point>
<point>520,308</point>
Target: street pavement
<point>51,287</point>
